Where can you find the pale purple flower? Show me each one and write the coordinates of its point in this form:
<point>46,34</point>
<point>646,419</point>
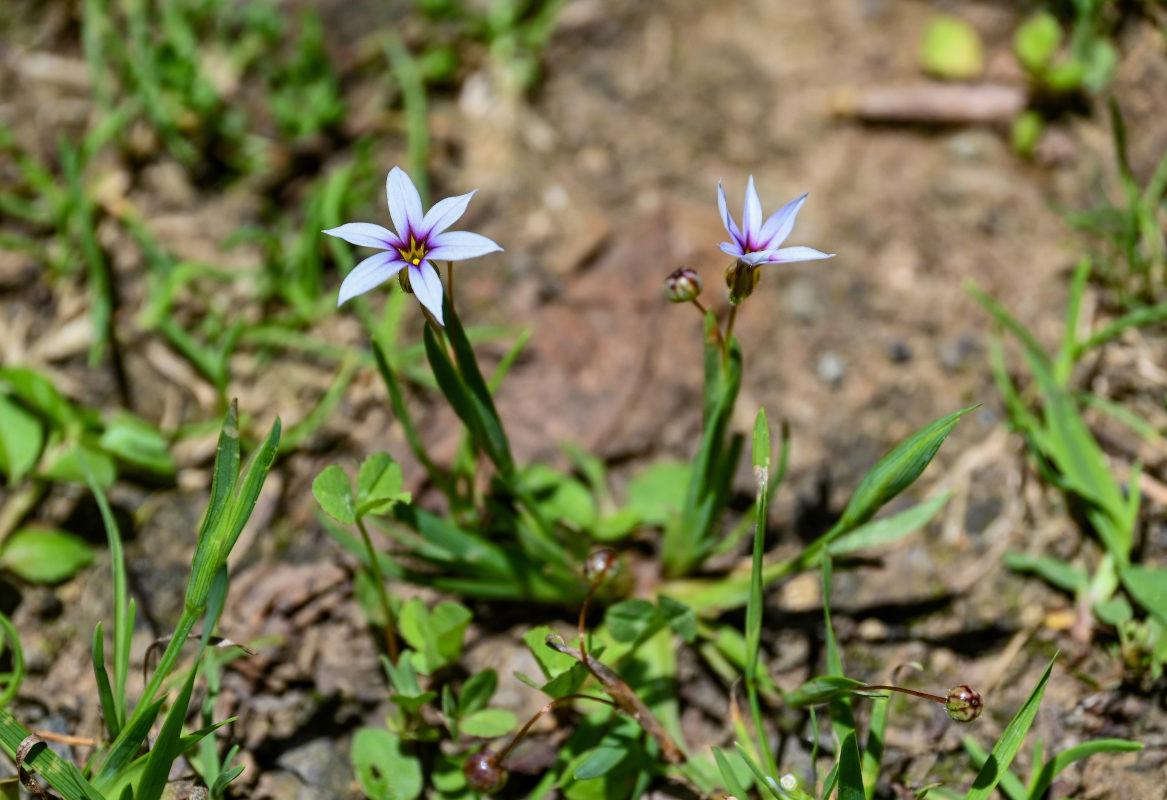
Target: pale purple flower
<point>420,239</point>
<point>758,242</point>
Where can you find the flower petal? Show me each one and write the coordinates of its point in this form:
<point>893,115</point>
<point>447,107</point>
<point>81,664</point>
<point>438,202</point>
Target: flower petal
<point>459,245</point>
<point>369,274</point>
<point>726,220</point>
<point>365,234</point>
<point>798,254</point>
<point>731,249</point>
<point>427,287</point>
<point>779,225</point>
<point>751,215</point>
<point>444,214</point>
<point>404,203</point>
<point>758,257</point>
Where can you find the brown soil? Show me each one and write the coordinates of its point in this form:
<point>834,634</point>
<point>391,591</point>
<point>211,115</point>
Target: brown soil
<point>598,183</point>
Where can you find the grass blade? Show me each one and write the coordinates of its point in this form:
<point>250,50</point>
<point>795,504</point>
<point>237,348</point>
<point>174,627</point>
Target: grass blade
<point>1007,746</point>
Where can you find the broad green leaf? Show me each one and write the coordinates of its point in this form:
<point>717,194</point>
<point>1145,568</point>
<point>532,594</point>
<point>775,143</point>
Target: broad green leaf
<point>379,483</point>
<point>951,49</point>
<point>384,770</point>
<point>477,691</point>
<point>1114,611</point>
<point>435,635</point>
<point>411,703</point>
<point>134,440</point>
<point>602,760</point>
<point>21,440</point>
<point>1052,570</point>
<point>64,464</point>
<point>821,689</point>
<point>334,493</point>
<point>552,662</point>
<point>658,493</point>
<point>39,394</point>
<point>631,620</point>
<point>679,617</point>
<point>560,496</point>
<point>44,555</point>
<point>1010,742</point>
<point>1149,587</point>
<point>1036,40</point>
<point>488,723</point>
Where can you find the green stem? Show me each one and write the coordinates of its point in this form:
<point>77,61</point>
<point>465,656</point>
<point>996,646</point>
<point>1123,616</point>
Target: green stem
<point>382,595</point>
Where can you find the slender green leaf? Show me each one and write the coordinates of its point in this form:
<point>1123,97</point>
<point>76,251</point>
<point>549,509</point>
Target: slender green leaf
<point>494,437</point>
<point>895,472</point>
<point>850,770</point>
<point>104,692</point>
<point>1054,766</point>
<point>1010,742</point>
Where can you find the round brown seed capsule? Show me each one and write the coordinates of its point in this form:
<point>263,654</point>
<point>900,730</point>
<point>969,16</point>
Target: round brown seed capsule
<point>682,285</point>
<point>484,773</point>
<point>963,703</point>
<point>599,564</point>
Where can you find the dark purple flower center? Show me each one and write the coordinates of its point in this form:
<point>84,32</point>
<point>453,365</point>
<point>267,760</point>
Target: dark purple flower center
<point>416,252</point>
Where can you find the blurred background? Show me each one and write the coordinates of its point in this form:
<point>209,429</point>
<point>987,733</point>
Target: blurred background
<point>166,169</point>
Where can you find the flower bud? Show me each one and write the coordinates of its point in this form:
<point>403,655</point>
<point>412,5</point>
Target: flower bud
<point>741,278</point>
<point>963,703</point>
<point>599,564</point>
<point>683,285</point>
<point>403,279</point>
<point>484,773</point>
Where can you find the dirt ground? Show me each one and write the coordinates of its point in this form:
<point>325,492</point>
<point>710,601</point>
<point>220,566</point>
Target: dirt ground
<point>598,183</point>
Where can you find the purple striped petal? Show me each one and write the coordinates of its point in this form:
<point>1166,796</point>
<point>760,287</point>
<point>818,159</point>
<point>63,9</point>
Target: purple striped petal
<point>751,215</point>
<point>369,274</point>
<point>365,234</point>
<point>731,249</point>
<point>444,214</point>
<point>459,245</point>
<point>798,254</point>
<point>726,220</point>
<point>427,287</point>
<point>404,202</point>
<point>779,225</point>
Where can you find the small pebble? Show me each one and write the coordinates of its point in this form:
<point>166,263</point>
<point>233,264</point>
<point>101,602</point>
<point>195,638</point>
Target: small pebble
<point>831,369</point>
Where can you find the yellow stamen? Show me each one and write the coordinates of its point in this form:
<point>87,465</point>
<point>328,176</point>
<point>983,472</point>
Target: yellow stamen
<point>415,253</point>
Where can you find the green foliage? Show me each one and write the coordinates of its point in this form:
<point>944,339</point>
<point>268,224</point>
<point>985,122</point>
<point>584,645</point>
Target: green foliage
<point>951,49</point>
<point>384,770</point>
<point>435,634</point>
<point>1130,247</point>
<point>1069,457</point>
<point>44,555</point>
<point>118,766</point>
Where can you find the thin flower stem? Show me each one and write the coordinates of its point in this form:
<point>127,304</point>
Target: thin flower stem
<point>523,731</point>
<point>716,328</point>
<point>934,698</point>
<point>379,579</point>
<point>729,329</point>
<point>450,281</point>
<point>583,612</point>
